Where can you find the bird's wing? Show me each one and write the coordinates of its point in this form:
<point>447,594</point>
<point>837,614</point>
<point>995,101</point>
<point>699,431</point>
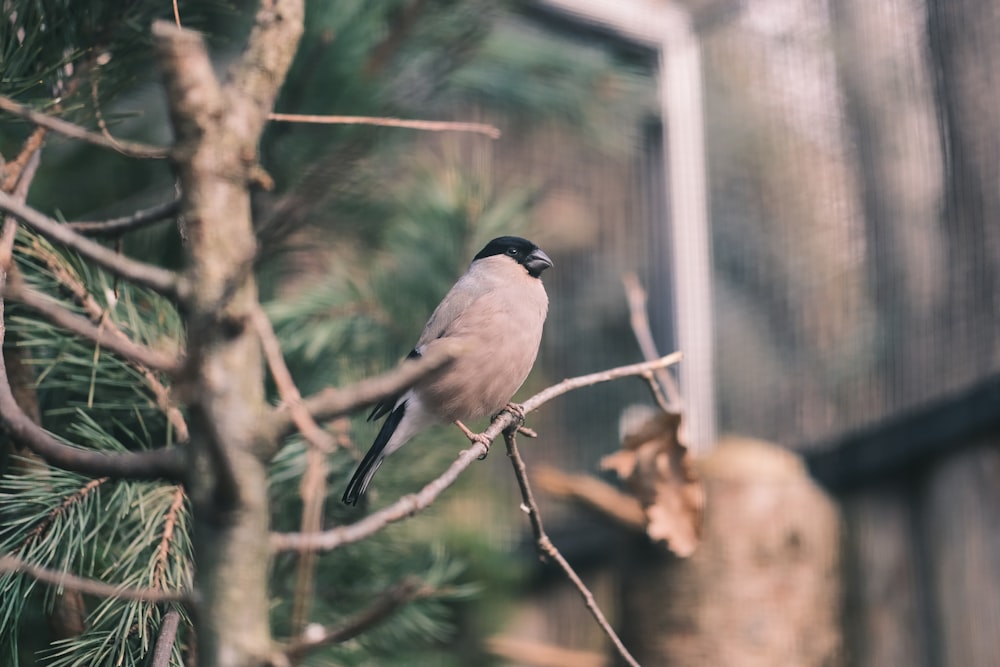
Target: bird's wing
<point>386,404</point>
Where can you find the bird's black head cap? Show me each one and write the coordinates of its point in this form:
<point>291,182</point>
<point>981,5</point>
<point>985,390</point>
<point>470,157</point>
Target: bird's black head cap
<point>521,250</point>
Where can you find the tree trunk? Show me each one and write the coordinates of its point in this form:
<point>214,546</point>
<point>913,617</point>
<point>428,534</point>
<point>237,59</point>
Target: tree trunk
<point>764,586</point>
<point>218,128</point>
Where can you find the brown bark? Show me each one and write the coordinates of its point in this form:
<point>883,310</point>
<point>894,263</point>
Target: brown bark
<point>218,127</point>
<point>762,589</point>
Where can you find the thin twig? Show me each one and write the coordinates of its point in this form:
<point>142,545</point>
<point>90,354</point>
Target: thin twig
<point>160,280</point>
<point>312,488</point>
<point>30,150</point>
<point>167,536</point>
<point>639,319</point>
<point>384,606</point>
<point>289,393</point>
<point>164,647</point>
<point>127,223</point>
<point>429,125</point>
<point>56,313</point>
<point>411,504</point>
<point>128,148</point>
<point>547,549</point>
<point>90,586</point>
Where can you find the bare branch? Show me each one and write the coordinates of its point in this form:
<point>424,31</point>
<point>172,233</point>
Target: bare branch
<point>639,319</point>
<point>127,223</point>
<point>160,280</point>
<point>490,131</point>
<point>337,402</point>
<point>54,312</point>
<point>594,493</point>
<point>522,651</point>
<point>67,129</point>
<point>290,395</point>
<point>411,504</point>
<point>91,586</point>
<point>383,607</point>
<point>547,549</point>
<point>595,378</point>
<point>164,647</point>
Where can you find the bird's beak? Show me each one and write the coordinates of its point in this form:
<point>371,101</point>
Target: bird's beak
<point>537,262</point>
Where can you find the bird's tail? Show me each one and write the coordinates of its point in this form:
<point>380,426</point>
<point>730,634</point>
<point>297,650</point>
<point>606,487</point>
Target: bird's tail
<point>373,459</point>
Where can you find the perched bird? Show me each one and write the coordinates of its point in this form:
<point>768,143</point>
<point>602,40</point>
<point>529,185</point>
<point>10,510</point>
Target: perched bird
<point>495,314</point>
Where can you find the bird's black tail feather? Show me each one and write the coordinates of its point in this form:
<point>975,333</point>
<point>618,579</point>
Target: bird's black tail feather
<point>373,459</point>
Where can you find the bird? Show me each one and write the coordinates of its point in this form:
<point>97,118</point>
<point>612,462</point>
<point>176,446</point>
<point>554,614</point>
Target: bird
<point>493,315</point>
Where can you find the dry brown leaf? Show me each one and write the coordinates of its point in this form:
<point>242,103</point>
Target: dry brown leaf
<point>659,472</point>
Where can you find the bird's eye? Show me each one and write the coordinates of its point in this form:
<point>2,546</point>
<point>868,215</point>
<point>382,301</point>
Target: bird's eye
<point>512,251</point>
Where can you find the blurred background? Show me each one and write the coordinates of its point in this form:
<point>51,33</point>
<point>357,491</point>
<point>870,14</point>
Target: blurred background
<point>807,190</point>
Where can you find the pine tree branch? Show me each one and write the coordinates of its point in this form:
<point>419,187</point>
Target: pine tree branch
<point>169,464</point>
<point>547,549</point>
<point>90,586</point>
<point>54,312</point>
<point>154,464</point>
<point>159,280</point>
<point>12,171</point>
<point>72,282</point>
<point>67,129</point>
<point>127,223</point>
<point>413,503</point>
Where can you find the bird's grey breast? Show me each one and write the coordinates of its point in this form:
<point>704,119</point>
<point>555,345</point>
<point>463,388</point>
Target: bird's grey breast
<point>498,315</point>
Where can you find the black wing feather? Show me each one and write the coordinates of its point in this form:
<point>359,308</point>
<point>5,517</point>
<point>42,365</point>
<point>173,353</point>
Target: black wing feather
<point>386,404</point>
<point>373,459</point>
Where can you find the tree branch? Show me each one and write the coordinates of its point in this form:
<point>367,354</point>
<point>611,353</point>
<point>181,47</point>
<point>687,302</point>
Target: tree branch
<point>67,129</point>
<point>547,548</point>
<point>290,396</point>
<point>160,280</point>
<point>411,504</point>
<point>54,312</point>
<point>72,282</point>
<point>337,402</point>
<point>384,606</point>
<point>127,223</point>
<point>154,464</point>
<point>164,647</point>
<point>639,319</point>
<point>490,131</point>
<point>91,586</point>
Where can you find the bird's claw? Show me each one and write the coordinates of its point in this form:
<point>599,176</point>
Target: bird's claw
<point>474,438</point>
<point>485,442</point>
<point>517,411</point>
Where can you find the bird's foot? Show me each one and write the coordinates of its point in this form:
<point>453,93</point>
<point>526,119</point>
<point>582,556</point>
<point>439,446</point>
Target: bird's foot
<point>517,410</point>
<point>475,437</point>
